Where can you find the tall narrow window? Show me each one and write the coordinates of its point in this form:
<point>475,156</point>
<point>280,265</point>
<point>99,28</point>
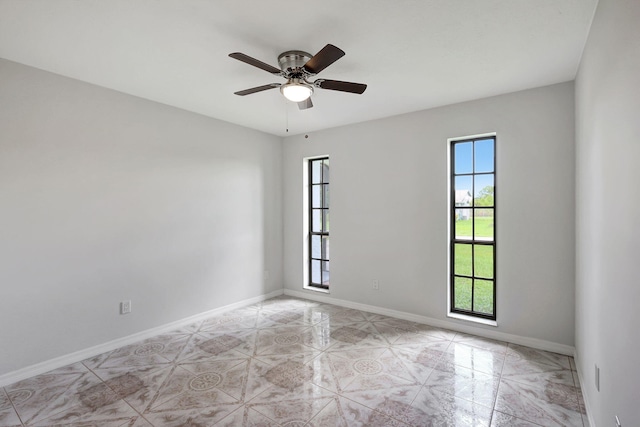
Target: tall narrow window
<point>473,227</point>
<point>319,223</point>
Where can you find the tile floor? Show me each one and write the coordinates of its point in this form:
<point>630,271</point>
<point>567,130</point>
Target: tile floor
<point>294,362</point>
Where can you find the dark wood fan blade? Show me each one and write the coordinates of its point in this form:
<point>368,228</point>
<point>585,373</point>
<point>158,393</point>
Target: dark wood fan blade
<point>256,63</point>
<point>358,88</point>
<point>257,89</point>
<point>303,105</point>
<point>321,60</point>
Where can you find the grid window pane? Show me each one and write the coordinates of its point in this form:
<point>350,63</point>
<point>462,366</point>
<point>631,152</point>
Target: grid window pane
<point>483,261</point>
<point>483,224</point>
<point>316,196</point>
<point>325,196</point>
<point>316,276</point>
<point>483,189</point>
<point>325,247</point>
<point>464,223</point>
<point>316,172</point>
<point>462,292</point>
<point>464,190</point>
<point>462,260</point>
<point>316,246</point>
<point>325,273</point>
<point>483,155</point>
<point>325,220</point>
<point>316,220</point>
<point>464,157</point>
<point>483,296</point>
<point>325,171</point>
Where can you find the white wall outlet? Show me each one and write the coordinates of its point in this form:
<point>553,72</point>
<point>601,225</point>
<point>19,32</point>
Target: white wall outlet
<point>125,307</point>
<point>375,284</point>
<point>597,378</point>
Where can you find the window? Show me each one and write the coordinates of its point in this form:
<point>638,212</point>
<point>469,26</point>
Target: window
<point>473,227</point>
<point>319,223</point>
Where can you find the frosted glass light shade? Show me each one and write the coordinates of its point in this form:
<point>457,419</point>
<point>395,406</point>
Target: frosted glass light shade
<point>296,92</point>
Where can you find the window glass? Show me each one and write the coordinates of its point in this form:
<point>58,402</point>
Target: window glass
<point>473,227</point>
<point>318,234</point>
<point>462,292</point>
<point>483,155</point>
<point>463,157</point>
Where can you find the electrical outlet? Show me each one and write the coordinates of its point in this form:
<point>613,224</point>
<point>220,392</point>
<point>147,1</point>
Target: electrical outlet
<point>125,307</point>
<point>597,378</point>
<point>375,284</point>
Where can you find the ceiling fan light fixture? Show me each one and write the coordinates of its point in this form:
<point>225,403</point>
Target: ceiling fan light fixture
<point>298,68</point>
<point>296,91</point>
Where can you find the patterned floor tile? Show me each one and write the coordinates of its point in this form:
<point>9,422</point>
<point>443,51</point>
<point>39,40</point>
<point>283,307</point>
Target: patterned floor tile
<point>500,419</point>
<point>231,321</point>
<point>478,359</point>
<point>434,408</point>
<point>185,397</point>
<point>464,383</point>
<point>54,392</point>
<point>355,335</point>
<point>296,316</point>
<point>537,357</point>
<point>421,334</point>
<point>341,412</point>
<point>291,412</point>
<point>522,374</point>
<point>420,359</point>
<point>139,422</point>
<point>481,342</point>
<point>353,370</point>
<point>341,315</point>
<point>108,411</point>
<point>276,394</point>
<point>194,417</point>
<point>292,362</point>
<point>287,340</point>
<point>8,415</point>
<point>246,417</point>
<point>219,344</point>
<point>546,403</point>
<point>140,391</point>
<point>143,357</point>
<point>392,402</point>
<point>529,366</point>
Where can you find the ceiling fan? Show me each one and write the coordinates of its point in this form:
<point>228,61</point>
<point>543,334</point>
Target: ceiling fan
<point>298,67</point>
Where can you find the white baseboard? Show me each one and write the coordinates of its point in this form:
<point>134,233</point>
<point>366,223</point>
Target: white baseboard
<point>583,389</point>
<point>78,356</point>
<point>486,333</point>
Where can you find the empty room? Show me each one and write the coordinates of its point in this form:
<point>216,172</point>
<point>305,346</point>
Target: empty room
<point>365,213</point>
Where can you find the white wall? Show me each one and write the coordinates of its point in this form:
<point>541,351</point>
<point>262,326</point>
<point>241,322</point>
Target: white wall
<point>389,209</point>
<point>607,213</point>
<point>106,197</point>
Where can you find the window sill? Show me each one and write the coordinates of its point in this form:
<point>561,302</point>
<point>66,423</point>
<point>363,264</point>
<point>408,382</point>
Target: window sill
<point>311,288</point>
<point>473,319</point>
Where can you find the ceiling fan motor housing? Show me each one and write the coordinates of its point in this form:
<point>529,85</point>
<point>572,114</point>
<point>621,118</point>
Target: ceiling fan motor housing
<point>292,61</point>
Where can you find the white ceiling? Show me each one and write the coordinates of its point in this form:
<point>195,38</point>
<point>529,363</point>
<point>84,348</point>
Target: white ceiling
<point>413,54</point>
